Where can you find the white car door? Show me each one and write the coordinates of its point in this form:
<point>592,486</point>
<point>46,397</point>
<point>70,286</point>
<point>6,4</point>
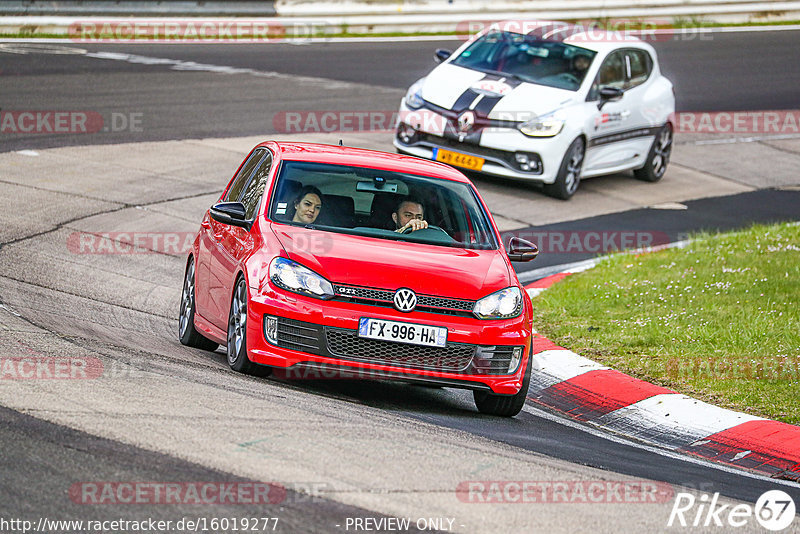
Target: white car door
<point>613,130</point>
<point>643,87</point>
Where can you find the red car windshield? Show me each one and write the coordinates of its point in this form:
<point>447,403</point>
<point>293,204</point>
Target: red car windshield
<point>376,203</point>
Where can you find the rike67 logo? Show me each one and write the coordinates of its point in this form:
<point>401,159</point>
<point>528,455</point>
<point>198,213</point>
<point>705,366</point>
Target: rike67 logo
<point>774,510</point>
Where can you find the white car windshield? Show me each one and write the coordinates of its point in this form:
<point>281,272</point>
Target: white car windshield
<point>528,58</point>
<point>372,202</point>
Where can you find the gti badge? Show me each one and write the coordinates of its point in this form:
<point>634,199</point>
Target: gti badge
<point>405,300</point>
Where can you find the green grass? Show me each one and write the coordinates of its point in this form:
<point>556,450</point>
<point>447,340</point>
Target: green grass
<point>719,320</point>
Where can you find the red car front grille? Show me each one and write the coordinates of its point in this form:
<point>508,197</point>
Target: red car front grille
<point>384,297</point>
<point>463,358</point>
<point>454,358</point>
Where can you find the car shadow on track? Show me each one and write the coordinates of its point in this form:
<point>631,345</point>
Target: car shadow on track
<point>413,399</point>
<point>388,395</point>
<point>517,186</point>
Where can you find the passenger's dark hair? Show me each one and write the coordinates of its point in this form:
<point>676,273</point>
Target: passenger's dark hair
<point>300,194</point>
<point>408,198</point>
<point>304,191</point>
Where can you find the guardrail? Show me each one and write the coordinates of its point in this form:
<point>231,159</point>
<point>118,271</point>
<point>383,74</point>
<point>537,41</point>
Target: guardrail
<point>249,8</point>
<point>388,16</point>
<point>539,9</point>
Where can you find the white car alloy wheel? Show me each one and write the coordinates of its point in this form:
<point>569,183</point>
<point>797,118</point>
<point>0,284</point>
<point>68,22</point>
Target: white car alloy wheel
<point>657,160</point>
<point>569,174</point>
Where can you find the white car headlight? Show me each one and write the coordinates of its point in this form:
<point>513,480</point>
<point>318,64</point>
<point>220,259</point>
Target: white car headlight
<point>413,96</point>
<point>542,126</point>
<point>292,276</point>
<point>503,304</point>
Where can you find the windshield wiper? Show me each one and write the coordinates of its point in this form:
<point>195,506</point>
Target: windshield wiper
<point>500,73</point>
<point>507,74</point>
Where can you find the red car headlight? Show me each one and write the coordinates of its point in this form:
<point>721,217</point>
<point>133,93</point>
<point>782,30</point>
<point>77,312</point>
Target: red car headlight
<point>292,276</point>
<point>503,304</point>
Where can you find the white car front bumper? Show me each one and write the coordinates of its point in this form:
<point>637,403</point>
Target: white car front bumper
<point>498,146</point>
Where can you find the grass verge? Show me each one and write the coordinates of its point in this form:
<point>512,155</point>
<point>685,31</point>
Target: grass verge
<point>718,320</point>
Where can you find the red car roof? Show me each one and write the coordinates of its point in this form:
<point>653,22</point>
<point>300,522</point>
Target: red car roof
<point>360,157</point>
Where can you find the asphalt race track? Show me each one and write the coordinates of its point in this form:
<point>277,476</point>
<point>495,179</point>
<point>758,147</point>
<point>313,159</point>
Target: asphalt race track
<point>158,412</point>
<point>719,72</point>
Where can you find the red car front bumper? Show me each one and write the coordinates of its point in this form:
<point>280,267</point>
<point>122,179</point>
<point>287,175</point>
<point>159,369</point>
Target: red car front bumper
<point>342,318</point>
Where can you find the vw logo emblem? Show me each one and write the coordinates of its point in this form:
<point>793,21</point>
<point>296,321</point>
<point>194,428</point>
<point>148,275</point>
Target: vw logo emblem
<point>466,121</point>
<point>405,300</point>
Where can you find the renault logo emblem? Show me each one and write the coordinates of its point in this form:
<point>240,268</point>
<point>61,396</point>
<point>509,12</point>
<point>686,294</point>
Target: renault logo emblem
<point>405,300</point>
<point>466,121</point>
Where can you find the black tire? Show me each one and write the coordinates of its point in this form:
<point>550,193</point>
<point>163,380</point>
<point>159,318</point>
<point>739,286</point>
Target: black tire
<point>658,158</point>
<point>237,334</point>
<point>187,333</point>
<point>504,405</point>
<point>569,173</point>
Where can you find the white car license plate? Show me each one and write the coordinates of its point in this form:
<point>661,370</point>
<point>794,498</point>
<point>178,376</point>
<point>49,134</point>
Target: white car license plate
<point>459,160</point>
<point>415,334</point>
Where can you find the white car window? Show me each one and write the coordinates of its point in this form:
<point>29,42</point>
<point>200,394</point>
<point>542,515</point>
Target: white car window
<point>640,66</point>
<point>612,72</point>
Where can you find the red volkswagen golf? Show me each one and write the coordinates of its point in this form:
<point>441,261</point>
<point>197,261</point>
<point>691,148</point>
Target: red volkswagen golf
<point>375,264</point>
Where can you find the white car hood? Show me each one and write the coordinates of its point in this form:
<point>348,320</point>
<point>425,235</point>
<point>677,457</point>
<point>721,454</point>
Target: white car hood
<point>446,83</point>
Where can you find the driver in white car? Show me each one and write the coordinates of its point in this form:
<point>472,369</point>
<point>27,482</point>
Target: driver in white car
<point>580,64</point>
<point>409,214</point>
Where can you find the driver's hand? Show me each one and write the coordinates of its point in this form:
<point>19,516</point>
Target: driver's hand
<point>414,224</point>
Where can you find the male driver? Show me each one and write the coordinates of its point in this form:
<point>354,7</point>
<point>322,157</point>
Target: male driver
<point>408,214</point>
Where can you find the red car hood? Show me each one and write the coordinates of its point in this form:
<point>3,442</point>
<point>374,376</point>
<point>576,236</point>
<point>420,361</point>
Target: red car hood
<point>386,264</point>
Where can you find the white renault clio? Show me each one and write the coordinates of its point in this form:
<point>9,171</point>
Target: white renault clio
<point>543,101</point>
